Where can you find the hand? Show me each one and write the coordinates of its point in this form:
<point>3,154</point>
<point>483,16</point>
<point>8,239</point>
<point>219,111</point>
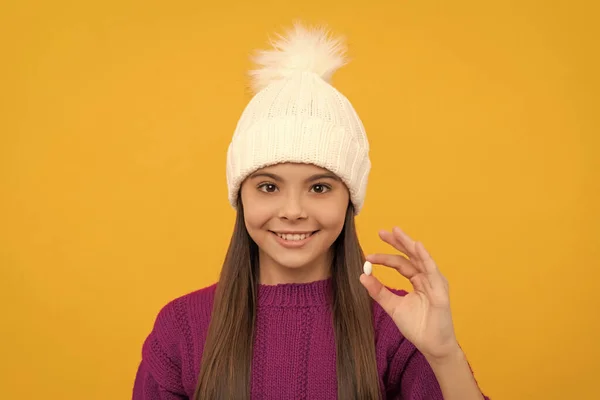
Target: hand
<point>422,316</point>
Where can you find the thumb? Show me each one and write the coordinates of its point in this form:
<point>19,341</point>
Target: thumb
<point>385,298</point>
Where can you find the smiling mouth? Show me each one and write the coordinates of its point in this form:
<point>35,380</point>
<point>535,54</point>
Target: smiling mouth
<point>294,237</point>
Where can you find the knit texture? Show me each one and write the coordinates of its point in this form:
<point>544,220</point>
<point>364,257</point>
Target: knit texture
<point>294,349</point>
<point>297,116</point>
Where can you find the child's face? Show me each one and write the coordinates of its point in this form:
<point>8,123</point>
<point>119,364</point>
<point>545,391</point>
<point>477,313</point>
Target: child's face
<point>294,213</point>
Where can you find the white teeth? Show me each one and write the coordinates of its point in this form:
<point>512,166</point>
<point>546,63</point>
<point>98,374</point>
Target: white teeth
<point>293,237</point>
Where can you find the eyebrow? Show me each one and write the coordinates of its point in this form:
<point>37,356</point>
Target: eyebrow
<point>311,178</point>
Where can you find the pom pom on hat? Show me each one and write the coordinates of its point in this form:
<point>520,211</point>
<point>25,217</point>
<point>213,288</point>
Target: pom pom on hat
<point>303,49</point>
<point>297,116</point>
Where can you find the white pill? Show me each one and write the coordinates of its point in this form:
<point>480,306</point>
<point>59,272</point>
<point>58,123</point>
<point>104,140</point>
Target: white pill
<point>368,268</point>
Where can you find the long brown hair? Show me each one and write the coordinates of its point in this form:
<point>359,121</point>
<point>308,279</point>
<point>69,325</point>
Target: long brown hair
<point>227,356</point>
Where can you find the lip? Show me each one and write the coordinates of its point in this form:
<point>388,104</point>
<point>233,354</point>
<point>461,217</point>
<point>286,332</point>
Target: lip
<point>293,232</point>
<point>293,244</point>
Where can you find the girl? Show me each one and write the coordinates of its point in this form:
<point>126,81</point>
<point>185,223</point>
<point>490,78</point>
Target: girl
<point>292,315</point>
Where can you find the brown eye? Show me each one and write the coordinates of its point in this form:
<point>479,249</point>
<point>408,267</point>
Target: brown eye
<point>320,188</point>
<point>267,187</point>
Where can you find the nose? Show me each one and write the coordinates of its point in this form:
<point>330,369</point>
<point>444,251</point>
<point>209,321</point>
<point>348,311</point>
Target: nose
<point>292,208</point>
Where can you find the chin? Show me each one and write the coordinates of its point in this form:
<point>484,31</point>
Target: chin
<point>292,261</point>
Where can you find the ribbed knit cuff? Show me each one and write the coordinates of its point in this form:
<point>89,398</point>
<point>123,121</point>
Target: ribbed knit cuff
<point>306,140</point>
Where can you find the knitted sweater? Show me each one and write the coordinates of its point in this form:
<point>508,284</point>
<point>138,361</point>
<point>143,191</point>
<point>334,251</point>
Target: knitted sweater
<point>294,349</point>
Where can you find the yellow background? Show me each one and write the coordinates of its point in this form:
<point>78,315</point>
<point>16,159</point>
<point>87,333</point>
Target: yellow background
<point>115,119</point>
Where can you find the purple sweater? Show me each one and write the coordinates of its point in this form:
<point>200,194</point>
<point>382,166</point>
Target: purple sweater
<point>294,349</point>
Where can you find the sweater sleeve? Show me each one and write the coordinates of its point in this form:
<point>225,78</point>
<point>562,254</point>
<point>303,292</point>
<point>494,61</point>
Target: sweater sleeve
<point>409,375</point>
<point>147,388</point>
<point>159,373</point>
<point>417,380</point>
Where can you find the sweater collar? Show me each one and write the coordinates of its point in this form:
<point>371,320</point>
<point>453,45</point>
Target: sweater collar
<point>317,293</point>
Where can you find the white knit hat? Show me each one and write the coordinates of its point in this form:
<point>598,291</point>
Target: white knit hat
<point>297,116</point>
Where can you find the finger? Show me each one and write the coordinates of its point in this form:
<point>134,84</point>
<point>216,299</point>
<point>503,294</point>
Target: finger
<point>405,241</point>
<point>434,287</point>
<point>420,283</point>
<point>378,292</point>
<point>437,280</point>
<point>428,264</point>
<point>398,262</point>
<point>395,240</point>
<point>390,239</point>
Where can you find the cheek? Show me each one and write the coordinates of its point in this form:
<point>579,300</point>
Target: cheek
<point>331,218</point>
<point>256,217</point>
<point>333,214</point>
<point>256,212</point>
<point>334,221</point>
